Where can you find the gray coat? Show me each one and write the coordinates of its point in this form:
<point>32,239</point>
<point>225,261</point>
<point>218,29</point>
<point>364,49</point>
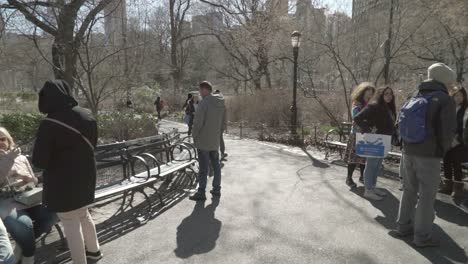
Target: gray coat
<point>208,123</point>
<point>441,123</point>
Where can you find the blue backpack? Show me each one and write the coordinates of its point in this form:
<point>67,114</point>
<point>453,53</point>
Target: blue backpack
<point>412,119</point>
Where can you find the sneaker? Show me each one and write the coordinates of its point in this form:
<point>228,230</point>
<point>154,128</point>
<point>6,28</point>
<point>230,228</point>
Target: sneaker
<point>428,243</point>
<point>198,196</point>
<point>464,205</point>
<point>361,180</point>
<point>399,234</point>
<point>94,255</point>
<point>351,183</point>
<point>371,195</point>
<point>215,193</point>
<point>380,192</point>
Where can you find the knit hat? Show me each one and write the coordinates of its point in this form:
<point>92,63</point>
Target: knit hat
<point>442,73</point>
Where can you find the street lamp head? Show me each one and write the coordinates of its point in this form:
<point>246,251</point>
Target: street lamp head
<point>296,39</point>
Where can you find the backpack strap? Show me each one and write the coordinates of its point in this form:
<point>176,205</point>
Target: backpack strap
<point>72,129</point>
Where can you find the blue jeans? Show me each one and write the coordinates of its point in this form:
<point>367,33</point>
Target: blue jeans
<point>204,158</point>
<point>371,172</point>
<point>26,225</point>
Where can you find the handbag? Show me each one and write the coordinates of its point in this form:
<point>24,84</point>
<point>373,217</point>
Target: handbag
<point>30,197</point>
<point>72,129</point>
<point>372,145</point>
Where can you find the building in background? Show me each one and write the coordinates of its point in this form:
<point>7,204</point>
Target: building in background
<point>206,23</point>
<point>115,22</point>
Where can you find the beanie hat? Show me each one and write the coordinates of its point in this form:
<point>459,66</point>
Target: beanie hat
<point>442,73</point>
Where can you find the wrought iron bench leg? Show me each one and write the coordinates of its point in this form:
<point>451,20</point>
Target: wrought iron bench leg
<point>62,237</point>
<point>158,193</point>
<point>148,201</point>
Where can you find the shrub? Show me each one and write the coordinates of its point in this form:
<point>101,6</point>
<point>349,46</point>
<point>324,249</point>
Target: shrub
<point>22,126</point>
<point>118,126</point>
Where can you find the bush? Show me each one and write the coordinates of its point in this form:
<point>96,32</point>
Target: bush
<point>22,126</point>
<point>119,126</point>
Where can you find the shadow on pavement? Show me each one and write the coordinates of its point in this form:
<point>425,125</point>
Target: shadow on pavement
<point>388,206</point>
<point>315,162</point>
<point>198,232</point>
<point>449,251</point>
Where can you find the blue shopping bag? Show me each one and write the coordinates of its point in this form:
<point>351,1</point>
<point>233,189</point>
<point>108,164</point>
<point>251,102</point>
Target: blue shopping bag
<point>373,145</point>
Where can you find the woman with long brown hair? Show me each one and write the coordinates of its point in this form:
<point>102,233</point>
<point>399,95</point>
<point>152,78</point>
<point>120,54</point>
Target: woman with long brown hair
<point>360,96</point>
<point>453,182</point>
<point>377,117</point>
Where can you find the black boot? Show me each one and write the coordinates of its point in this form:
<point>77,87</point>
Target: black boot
<point>350,182</point>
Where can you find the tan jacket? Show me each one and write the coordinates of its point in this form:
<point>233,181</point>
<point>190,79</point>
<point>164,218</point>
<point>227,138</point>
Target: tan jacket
<point>208,123</point>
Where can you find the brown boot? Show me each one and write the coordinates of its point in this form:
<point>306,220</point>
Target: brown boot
<point>446,187</point>
<point>458,190</point>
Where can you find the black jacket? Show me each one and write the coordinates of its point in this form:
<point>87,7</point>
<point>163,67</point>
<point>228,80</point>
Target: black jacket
<point>377,119</point>
<point>67,160</point>
<point>462,128</point>
<point>441,122</point>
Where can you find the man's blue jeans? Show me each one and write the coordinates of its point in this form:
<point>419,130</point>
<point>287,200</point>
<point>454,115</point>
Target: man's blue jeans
<point>204,158</point>
<point>371,172</point>
<point>26,225</point>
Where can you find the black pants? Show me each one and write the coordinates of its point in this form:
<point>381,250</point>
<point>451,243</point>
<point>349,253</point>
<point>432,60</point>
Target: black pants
<point>190,125</point>
<point>452,162</point>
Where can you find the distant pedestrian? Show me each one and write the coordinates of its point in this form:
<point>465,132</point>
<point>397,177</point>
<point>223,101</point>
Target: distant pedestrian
<point>360,96</point>
<point>427,125</point>
<point>189,108</point>
<point>222,146</point>
<point>207,129</point>
<point>458,154</point>
<point>377,117</point>
<point>159,104</point>
<point>64,150</point>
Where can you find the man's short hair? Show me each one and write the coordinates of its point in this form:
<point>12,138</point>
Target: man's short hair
<point>206,85</point>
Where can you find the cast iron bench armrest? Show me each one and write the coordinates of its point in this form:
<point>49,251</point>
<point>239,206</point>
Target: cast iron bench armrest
<point>182,146</point>
<point>133,160</point>
<point>156,163</point>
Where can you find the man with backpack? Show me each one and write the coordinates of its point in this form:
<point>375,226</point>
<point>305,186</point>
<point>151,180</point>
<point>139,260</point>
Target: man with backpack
<point>427,124</point>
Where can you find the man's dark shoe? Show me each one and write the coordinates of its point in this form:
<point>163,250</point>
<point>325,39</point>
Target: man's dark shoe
<point>94,255</point>
<point>399,234</point>
<point>198,196</point>
<point>361,180</point>
<point>215,193</point>
<point>351,183</point>
<point>428,243</point>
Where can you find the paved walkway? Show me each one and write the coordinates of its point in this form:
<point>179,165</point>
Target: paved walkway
<point>279,206</point>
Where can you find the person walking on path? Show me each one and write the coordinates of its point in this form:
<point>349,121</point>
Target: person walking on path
<point>64,150</point>
<point>453,183</point>
<point>207,129</point>
<point>189,107</point>
<point>222,146</point>
<point>159,106</point>
<point>360,96</point>
<point>427,136</point>
<point>377,117</point>
<point>24,223</point>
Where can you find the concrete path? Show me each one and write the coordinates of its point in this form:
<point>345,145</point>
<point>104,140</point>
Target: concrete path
<point>280,206</point>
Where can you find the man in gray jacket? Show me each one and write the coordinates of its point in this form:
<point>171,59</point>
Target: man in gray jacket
<point>207,129</point>
<point>420,163</point>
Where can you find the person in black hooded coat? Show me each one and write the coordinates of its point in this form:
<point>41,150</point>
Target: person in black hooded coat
<point>64,150</point>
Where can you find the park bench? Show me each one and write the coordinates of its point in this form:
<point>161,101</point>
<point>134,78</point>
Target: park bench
<point>143,163</point>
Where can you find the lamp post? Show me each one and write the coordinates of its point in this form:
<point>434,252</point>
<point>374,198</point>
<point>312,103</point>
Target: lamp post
<point>296,42</point>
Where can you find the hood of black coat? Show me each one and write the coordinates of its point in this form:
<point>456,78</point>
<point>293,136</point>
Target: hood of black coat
<point>55,96</point>
<point>432,86</point>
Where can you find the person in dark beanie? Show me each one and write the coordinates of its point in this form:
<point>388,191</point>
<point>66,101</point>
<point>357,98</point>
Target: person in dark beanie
<point>64,149</point>
<point>207,127</point>
<point>423,151</point>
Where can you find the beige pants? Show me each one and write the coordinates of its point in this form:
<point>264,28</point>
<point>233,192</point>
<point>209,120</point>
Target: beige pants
<point>80,231</point>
